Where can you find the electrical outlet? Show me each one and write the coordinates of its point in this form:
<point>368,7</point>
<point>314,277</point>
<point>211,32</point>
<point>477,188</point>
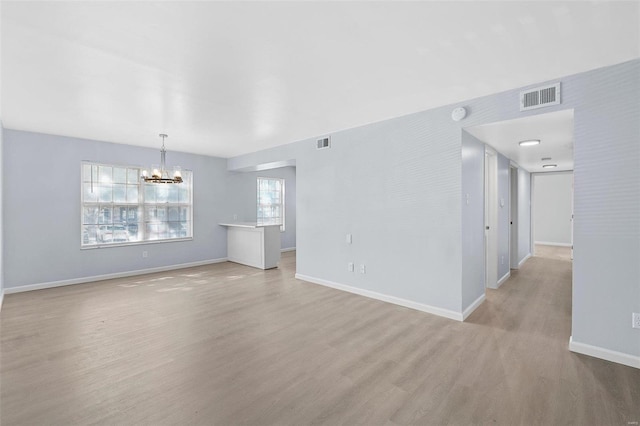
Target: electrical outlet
<point>350,266</point>
<point>363,270</point>
<point>635,317</point>
<point>145,254</point>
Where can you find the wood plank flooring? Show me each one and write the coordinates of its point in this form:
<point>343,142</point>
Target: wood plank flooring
<point>227,344</point>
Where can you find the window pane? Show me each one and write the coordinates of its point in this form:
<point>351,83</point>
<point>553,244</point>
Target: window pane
<point>119,175</point>
<point>89,234</point>
<point>173,193</point>
<point>90,196</point>
<point>133,176</point>
<point>162,193</point>
<point>174,214</point>
<point>132,194</point>
<point>104,194</point>
<point>149,193</point>
<point>119,193</point>
<point>105,215</point>
<point>105,173</point>
<point>120,214</point>
<point>135,231</point>
<point>133,214</point>
<point>90,215</point>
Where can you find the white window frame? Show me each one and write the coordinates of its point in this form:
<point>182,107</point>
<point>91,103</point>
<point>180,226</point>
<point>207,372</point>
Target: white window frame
<point>140,205</point>
<point>281,204</point>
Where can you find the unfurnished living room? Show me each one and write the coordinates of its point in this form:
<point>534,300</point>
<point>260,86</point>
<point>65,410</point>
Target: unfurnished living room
<point>305,212</point>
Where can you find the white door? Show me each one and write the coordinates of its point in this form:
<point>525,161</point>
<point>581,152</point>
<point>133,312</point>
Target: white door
<point>513,219</point>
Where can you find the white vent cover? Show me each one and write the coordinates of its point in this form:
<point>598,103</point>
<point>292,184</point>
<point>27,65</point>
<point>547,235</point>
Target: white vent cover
<point>540,97</point>
<point>323,143</point>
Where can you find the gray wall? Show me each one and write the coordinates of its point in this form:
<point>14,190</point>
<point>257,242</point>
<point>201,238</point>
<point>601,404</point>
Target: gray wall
<point>42,213</point>
<point>242,192</point>
<point>606,235</point>
<point>397,186</point>
<point>503,215</point>
<point>473,248</point>
<point>524,214</point>
<point>552,210</point>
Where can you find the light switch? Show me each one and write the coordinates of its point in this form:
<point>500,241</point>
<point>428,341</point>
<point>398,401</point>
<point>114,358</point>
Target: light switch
<point>348,238</point>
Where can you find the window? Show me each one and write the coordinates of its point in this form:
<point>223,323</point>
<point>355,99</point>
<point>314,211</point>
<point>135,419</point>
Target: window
<point>119,208</point>
<point>271,202</point>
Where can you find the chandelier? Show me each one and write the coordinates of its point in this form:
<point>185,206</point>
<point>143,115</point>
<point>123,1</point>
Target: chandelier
<point>161,174</point>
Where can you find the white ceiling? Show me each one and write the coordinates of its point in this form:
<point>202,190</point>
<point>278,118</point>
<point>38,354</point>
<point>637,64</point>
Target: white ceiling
<point>554,130</point>
<point>226,78</point>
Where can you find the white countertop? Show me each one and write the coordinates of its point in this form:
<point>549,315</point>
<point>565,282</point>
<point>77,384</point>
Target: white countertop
<point>247,224</point>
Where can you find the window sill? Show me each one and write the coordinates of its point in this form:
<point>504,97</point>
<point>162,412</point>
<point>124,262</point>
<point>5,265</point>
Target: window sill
<point>133,243</point>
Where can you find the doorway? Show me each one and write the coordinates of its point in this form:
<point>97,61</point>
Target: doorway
<point>513,217</point>
<point>491,217</point>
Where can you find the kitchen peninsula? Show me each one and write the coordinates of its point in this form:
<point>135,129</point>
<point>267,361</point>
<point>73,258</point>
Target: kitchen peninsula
<point>252,244</point>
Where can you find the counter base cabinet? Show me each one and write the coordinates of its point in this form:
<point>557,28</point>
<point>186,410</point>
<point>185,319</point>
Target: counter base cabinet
<point>257,246</point>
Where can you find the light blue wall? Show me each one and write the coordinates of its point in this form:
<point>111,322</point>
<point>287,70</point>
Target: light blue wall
<point>552,207</point>
<point>242,199</point>
<point>606,239</point>
<point>42,213</point>
<point>503,215</point>
<point>473,248</point>
<point>397,186</point>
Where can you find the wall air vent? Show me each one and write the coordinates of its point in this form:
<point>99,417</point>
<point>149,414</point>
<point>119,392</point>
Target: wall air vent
<point>323,143</point>
<point>540,97</point>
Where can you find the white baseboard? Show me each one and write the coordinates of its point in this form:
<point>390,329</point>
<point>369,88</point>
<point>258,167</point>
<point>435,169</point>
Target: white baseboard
<point>472,307</point>
<point>503,279</point>
<point>287,249</point>
<point>524,260</point>
<point>602,353</point>
<point>385,298</point>
<point>94,278</point>
<point>548,243</point>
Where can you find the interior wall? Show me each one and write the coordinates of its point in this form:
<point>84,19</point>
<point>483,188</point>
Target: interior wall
<point>552,208</point>
<point>473,263</point>
<point>430,271</point>
<point>524,214</point>
<point>242,190</point>
<point>504,200</point>
<point>606,270</point>
<point>43,214</point>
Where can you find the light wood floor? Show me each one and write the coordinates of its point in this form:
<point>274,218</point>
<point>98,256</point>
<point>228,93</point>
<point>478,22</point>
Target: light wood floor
<point>227,344</point>
<point>552,252</point>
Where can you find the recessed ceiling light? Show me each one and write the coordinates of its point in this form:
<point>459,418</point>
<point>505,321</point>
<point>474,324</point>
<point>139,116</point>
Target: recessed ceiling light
<point>549,166</point>
<point>545,159</point>
<point>530,142</point>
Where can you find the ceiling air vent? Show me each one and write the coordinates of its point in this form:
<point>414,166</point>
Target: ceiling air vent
<point>323,143</point>
<point>540,97</point>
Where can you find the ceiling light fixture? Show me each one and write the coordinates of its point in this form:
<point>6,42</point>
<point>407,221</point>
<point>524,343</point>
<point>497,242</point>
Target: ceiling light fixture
<point>529,142</point>
<point>545,159</point>
<point>161,174</point>
<point>549,166</point>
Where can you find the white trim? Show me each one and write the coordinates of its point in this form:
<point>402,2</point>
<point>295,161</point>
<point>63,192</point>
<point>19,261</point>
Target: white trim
<point>602,353</point>
<point>524,260</point>
<point>472,307</point>
<point>503,279</point>
<point>1,298</point>
<point>287,249</point>
<point>547,243</point>
<point>83,280</point>
<point>385,298</point>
